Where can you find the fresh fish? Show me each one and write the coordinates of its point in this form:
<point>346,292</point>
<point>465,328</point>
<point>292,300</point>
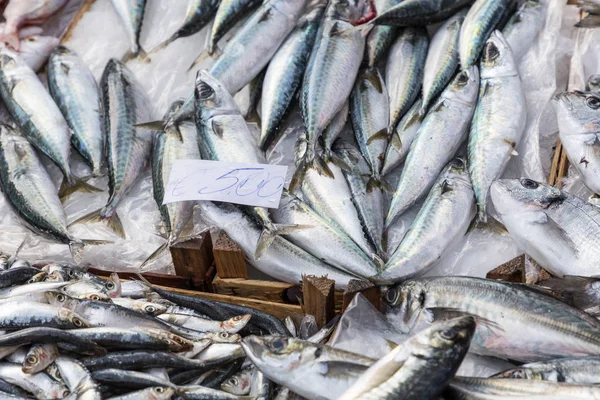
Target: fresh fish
<point>442,132</point>
<point>420,12</point>
<point>582,292</point>
<point>402,138</point>
<point>381,37</point>
<point>558,230</point>
<point>592,7</point>
<point>523,27</point>
<point>444,217</point>
<point>502,389</point>
<point>442,59</point>
<point>198,14</point>
<point>41,385</point>
<point>341,251</point>
<point>131,339</point>
<point>35,50</point>
<point>129,379</point>
<point>228,14</point>
<point>285,72</point>
<point>261,387</point>
<point>75,91</point>
<point>16,276</point>
<point>480,22</point>
<point>147,307</point>
<point>333,131</point>
<point>404,72</point>
<point>240,383</point>
<point>153,393</point>
<point>39,357</point>
<point>499,119</point>
<point>368,201</point>
<point>25,315</point>
<point>569,370</point>
<point>593,84</point>
<point>131,14</point>
<point>290,325</point>
<point>22,12</point>
<point>78,378</point>
<point>514,321</point>
<point>578,116</point>
<point>67,340</point>
<point>202,392</point>
<point>370,117</point>
<point>263,32</point>
<point>329,371</point>
<point>232,325</point>
<point>37,287</point>
<point>419,368</point>
<point>277,260</point>
<point>128,147</point>
<point>169,146</point>
<point>32,194</point>
<point>254,97</point>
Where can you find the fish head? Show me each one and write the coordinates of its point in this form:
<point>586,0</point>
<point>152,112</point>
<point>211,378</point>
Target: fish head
<point>405,302</point>
<point>61,51</point>
<point>449,338</point>
<point>277,354</point>
<point>38,358</point>
<point>514,196</point>
<point>161,393</point>
<point>521,373</point>
<point>223,337</point>
<point>94,297</point>
<point>150,308</point>
<point>59,299</point>
<point>211,97</point>
<point>464,87</point>
<point>578,112</point>
<point>175,342</point>
<point>236,324</point>
<point>347,10</point>
<point>10,59</point>
<point>497,57</point>
<point>238,384</point>
<point>73,318</point>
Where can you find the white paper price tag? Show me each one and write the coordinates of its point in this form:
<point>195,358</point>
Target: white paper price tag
<point>239,183</point>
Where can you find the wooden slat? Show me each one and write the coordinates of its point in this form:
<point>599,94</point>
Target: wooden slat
<point>319,298</point>
<point>254,289</point>
<point>366,288</point>
<point>229,258</point>
<point>193,258</point>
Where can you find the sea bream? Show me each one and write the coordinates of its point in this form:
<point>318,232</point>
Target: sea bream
<point>558,230</point>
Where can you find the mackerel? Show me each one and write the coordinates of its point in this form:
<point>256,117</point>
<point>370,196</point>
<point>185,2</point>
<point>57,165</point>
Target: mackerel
<point>439,137</point>
<point>132,339</point>
<point>131,14</point>
<point>381,37</point>
<point>227,15</point>
<point>499,119</point>
<point>402,138</point>
<point>523,27</point>
<point>420,12</point>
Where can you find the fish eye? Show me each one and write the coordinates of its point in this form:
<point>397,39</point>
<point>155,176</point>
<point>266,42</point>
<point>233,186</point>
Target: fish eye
<point>159,389</point>
<point>150,309</point>
<point>71,273</point>
<point>31,359</point>
<point>449,334</point>
<point>204,91</point>
<point>278,344</point>
<point>529,184</point>
<point>61,297</point>
<point>238,318</point>
<point>95,297</point>
<point>77,322</point>
<point>223,335</point>
<point>392,295</point>
<point>66,393</point>
<point>30,39</point>
<point>462,79</point>
<point>422,299</point>
<point>518,374</point>
<point>593,102</point>
<point>233,381</point>
<point>110,285</point>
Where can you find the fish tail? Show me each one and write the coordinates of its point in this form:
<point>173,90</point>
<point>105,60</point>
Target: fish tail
<point>337,160</point>
<point>154,254</point>
<point>377,181</point>
<point>253,116</point>
<point>383,134</point>
<point>487,223</point>
<point>590,21</point>
<point>107,215</point>
<point>163,45</point>
<point>270,232</point>
<point>72,184</point>
<point>139,53</point>
<point>320,165</point>
<point>298,176</point>
<point>201,57</point>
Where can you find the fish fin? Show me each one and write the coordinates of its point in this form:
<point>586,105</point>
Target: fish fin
<point>163,45</point>
<point>375,181</point>
<point>13,257</point>
<point>157,125</point>
<point>131,55</point>
<point>65,68</point>
<point>337,30</point>
<point>116,291</point>
<point>298,176</point>
<point>68,187</point>
<point>113,221</point>
<point>446,187</point>
<point>391,345</point>
<point>266,16</point>
<point>253,116</point>
<point>154,255</point>
<point>339,368</point>
<point>574,288</point>
<point>320,165</point>
<point>382,134</point>
<point>513,146</point>
<point>557,231</point>
<point>490,224</point>
<point>337,160</point>
<point>590,21</point>
<point>484,89</point>
<point>76,249</point>
<point>270,232</point>
<point>201,57</point>
<point>441,313</point>
<point>217,128</point>
<point>417,117</point>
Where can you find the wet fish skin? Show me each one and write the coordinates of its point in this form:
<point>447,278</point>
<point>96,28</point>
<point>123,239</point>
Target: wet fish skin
<point>404,71</point>
<point>582,370</point>
<point>578,118</point>
<point>381,37</point>
<point>335,128</point>
<point>29,314</point>
<point>593,84</point>
<point>41,385</point>
<point>263,32</point>
<point>202,392</point>
<point>232,325</point>
<point>285,72</point>
<point>439,137</point>
<point>442,58</point>
<point>505,312</point>
<point>559,230</point>
<point>133,339</point>
<point>419,368</point>
<point>419,12</point>
<point>240,383</point>
<point>77,378</point>
<point>523,27</point>
<point>131,14</point>
<point>39,357</point>
<point>153,393</point>
<point>129,379</point>
<point>499,119</point>
<point>480,22</point>
<point>282,359</point>
<point>16,276</point>
<point>444,217</point>
<point>68,340</point>
<point>35,49</point>
<point>74,89</point>
<point>227,15</point>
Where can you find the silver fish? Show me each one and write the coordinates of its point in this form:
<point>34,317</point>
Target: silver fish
<point>479,23</point>
<point>263,32</point>
<point>239,384</point>
<point>370,117</point>
<point>35,50</point>
<point>439,137</point>
<point>341,252</point>
<point>277,259</point>
<point>153,393</point>
<point>570,370</point>
<point>78,378</point>
<point>404,72</point>
<point>39,357</point>
<point>131,14</point>
<point>228,14</point>
<point>41,385</point>
<point>285,72</point>
<point>523,27</point>
<point>420,12</point>
<point>444,217</point>
<point>381,37</point>
<point>514,321</point>
<point>128,147</point>
<point>335,128</point>
<point>419,368</point>
<point>442,59</point>
<point>499,119</point>
<point>75,91</point>
<point>578,116</point>
<point>558,230</point>
<point>232,325</point>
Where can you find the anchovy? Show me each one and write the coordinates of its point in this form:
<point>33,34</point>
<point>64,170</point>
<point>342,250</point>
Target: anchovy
<point>232,325</point>
<point>499,119</point>
<point>420,12</point>
<point>442,59</point>
<point>26,315</point>
<point>131,14</point>
<point>439,137</point>
<point>41,385</point>
<point>285,72</point>
<point>381,37</point>
<point>444,217</point>
<point>228,14</point>
<point>133,339</point>
<point>129,379</point>
<point>570,370</point>
<point>523,27</point>
<point>39,357</point>
<point>559,230</point>
<point>68,340</point>
<point>78,378</point>
<point>153,393</point>
<point>370,117</point>
<point>240,383</point>
<point>593,84</point>
<point>578,116</point>
<point>404,72</point>
<point>263,32</point>
<point>505,314</point>
<point>147,307</point>
<point>479,23</point>
<point>128,147</point>
<point>75,91</point>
